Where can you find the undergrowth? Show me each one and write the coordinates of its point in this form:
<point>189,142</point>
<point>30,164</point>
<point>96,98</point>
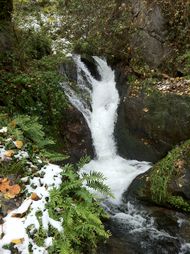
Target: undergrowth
<point>164,172</point>
<point>81,213</point>
<point>24,140</point>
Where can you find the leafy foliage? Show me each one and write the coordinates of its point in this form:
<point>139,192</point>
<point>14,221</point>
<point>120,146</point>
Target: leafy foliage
<point>38,93</point>
<point>184,63</point>
<point>81,212</point>
<point>16,168</point>
<point>28,133</point>
<point>162,174</point>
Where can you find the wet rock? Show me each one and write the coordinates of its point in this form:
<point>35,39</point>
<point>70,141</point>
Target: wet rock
<point>77,135</point>
<point>150,122</point>
<point>147,229</point>
<point>68,68</point>
<point>91,64</point>
<point>75,131</point>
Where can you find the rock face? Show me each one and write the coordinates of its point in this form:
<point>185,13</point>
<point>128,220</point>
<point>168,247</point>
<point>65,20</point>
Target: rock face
<point>151,36</point>
<point>151,122</point>
<point>77,136</point>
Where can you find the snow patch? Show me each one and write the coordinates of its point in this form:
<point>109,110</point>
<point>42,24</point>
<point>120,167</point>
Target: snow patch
<point>14,227</point>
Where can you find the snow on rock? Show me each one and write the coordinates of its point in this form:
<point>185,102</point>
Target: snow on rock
<point>15,225</point>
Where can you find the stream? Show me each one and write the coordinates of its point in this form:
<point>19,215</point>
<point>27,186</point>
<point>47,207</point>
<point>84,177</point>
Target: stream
<point>136,228</point>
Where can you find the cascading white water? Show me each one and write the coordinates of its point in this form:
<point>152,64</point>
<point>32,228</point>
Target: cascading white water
<point>98,102</point>
<point>101,116</point>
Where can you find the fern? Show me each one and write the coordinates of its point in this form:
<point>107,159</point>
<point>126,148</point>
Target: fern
<point>31,129</point>
<point>52,156</point>
<point>82,213</point>
<point>95,180</point>
<point>7,168</point>
<point>84,160</point>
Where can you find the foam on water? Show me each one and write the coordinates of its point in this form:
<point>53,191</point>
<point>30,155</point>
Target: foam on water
<point>140,222</point>
<point>185,248</point>
<point>101,115</point>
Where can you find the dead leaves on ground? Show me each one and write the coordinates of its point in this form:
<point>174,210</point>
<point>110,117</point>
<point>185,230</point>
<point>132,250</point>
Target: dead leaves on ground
<point>9,191</point>
<point>18,241</point>
<point>35,197</point>
<point>19,144</point>
<point>179,86</point>
<point>9,153</point>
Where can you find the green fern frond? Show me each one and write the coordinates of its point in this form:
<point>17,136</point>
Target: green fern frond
<point>93,176</point>
<point>95,180</point>
<point>53,156</point>
<point>7,168</point>
<point>84,160</point>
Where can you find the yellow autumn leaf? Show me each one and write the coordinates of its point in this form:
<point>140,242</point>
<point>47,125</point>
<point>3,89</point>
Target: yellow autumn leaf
<point>9,153</point>
<point>35,197</point>
<point>9,195</point>
<point>19,144</point>
<point>18,241</point>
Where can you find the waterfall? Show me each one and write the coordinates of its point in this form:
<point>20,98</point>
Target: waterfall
<point>98,101</point>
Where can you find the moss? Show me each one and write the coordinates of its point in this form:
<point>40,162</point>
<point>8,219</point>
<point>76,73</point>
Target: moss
<point>163,173</point>
<point>179,203</point>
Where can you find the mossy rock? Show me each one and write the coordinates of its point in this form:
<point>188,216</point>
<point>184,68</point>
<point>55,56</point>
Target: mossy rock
<point>167,183</point>
<point>151,122</point>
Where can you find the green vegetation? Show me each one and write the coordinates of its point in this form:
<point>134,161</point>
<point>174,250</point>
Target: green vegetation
<point>24,134</point>
<point>164,172</point>
<point>36,86</point>
<point>35,37</point>
<point>33,106</point>
<point>26,152</point>
<point>80,210</point>
<point>184,63</point>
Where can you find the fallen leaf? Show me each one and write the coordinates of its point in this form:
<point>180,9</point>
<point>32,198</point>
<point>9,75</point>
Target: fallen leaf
<point>18,241</point>
<point>19,144</point>
<point>9,153</point>
<point>9,191</point>
<point>35,197</point>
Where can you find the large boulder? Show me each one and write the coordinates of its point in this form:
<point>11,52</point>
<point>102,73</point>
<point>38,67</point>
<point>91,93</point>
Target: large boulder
<point>153,117</point>
<point>167,183</point>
